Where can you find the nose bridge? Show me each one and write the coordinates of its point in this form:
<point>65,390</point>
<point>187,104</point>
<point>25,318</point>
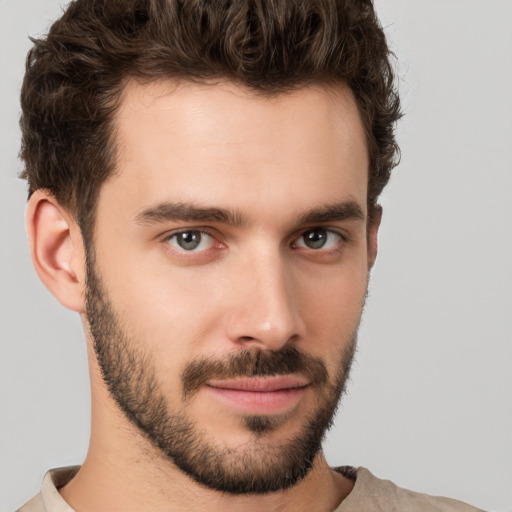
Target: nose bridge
<point>265,314</point>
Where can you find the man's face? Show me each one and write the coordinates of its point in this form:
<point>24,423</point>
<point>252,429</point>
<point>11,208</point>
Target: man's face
<point>228,274</point>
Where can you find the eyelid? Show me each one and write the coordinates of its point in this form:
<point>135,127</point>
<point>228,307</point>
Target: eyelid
<point>214,239</point>
<point>202,231</point>
<point>194,229</point>
<point>343,237</point>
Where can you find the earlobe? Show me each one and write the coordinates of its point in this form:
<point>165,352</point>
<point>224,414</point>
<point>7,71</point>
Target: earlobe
<point>373,231</point>
<point>56,249</point>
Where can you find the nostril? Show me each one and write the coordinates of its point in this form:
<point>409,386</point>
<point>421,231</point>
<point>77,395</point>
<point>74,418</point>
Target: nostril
<point>246,338</point>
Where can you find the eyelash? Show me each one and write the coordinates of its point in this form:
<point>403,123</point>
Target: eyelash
<point>201,233</point>
<point>329,233</point>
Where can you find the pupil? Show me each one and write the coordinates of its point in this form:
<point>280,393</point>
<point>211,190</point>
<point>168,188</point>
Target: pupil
<point>189,240</point>
<point>315,239</point>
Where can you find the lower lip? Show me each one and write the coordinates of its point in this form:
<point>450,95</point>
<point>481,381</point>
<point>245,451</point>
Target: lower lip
<point>259,402</point>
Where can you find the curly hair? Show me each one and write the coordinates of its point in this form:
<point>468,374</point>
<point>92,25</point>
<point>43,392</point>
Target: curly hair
<point>75,76</point>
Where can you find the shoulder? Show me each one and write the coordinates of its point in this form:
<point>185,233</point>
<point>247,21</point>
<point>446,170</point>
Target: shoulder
<point>34,505</point>
<point>375,494</point>
<point>49,499</point>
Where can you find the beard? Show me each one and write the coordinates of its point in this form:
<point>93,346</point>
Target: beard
<point>257,467</point>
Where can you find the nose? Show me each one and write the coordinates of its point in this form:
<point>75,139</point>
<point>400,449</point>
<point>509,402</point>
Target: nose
<point>265,310</point>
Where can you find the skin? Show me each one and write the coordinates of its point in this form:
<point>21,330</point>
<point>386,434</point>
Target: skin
<point>251,285</point>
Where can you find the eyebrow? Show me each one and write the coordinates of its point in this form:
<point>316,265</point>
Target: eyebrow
<point>191,212</point>
<point>188,212</point>
<point>346,210</point>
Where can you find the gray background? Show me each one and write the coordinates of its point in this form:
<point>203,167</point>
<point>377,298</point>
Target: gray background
<point>429,405</point>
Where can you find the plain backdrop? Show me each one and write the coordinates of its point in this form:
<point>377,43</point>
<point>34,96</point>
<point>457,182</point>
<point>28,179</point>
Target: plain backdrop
<point>429,405</point>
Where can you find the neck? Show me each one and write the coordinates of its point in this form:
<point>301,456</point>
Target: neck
<point>116,478</point>
<point>113,481</point>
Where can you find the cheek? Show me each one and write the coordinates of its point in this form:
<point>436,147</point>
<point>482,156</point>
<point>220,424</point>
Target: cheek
<point>173,313</point>
<point>336,298</point>
<point>332,309</point>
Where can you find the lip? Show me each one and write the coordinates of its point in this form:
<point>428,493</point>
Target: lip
<point>260,395</point>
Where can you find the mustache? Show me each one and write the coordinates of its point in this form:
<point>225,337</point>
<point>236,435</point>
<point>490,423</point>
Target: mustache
<point>253,363</point>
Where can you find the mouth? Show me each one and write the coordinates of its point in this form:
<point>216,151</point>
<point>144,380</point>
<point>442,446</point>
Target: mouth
<point>260,395</point>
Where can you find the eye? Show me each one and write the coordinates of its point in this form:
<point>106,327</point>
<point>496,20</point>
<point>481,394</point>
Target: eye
<point>318,238</point>
<point>191,241</point>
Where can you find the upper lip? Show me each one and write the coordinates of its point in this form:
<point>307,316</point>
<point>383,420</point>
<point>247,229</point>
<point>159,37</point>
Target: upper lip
<point>261,384</point>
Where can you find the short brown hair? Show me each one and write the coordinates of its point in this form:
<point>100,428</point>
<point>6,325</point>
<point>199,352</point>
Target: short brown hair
<point>75,75</point>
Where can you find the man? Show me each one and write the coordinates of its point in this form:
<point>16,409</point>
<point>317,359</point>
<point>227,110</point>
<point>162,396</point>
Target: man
<point>203,187</point>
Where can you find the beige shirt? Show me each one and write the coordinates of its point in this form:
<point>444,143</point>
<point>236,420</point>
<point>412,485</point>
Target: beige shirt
<point>370,494</point>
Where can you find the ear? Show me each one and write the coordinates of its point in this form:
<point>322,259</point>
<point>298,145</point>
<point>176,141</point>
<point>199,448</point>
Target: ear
<point>373,230</point>
<point>57,249</point>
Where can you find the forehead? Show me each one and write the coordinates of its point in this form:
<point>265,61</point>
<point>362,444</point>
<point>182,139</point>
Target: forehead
<point>221,143</point>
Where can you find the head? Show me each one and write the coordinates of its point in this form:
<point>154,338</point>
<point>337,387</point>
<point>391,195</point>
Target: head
<point>219,163</point>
